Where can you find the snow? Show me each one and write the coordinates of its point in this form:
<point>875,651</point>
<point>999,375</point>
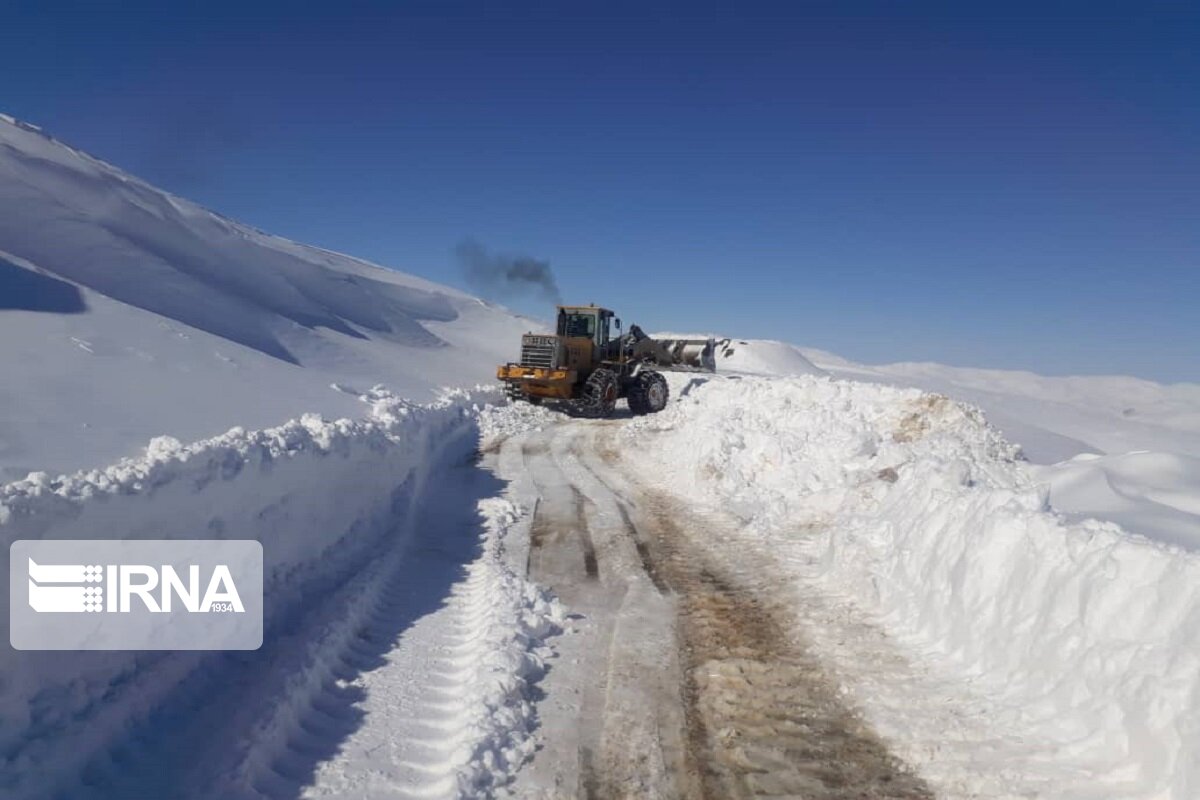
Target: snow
<point>1075,634</point>
<point>763,357</point>
<point>1148,433</point>
<point>130,316</point>
<point>1055,418</point>
<point>1156,494</point>
<point>332,503</point>
<point>127,312</point>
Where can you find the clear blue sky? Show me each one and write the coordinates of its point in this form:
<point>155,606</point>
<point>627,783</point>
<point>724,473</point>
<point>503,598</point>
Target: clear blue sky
<point>985,184</point>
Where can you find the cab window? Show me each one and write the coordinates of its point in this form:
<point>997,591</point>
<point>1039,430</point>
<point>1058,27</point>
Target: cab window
<point>578,325</point>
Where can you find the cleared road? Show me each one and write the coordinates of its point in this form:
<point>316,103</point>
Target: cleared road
<point>687,674</point>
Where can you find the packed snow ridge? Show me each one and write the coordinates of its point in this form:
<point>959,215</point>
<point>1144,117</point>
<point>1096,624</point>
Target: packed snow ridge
<point>333,503</point>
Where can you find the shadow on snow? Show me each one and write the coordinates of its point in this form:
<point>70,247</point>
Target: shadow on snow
<point>190,744</point>
<point>23,289</point>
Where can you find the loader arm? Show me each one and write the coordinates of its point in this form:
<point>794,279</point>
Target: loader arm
<point>677,355</point>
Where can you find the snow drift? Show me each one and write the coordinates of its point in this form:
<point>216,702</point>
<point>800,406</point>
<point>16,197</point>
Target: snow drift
<point>1054,418</point>
<point>127,312</point>
<point>1155,494</point>
<point>763,357</point>
<point>1079,634</point>
<point>331,502</point>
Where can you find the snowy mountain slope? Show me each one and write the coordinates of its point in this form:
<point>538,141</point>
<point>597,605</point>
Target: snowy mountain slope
<point>126,312</point>
<point>1061,416</point>
<point>1052,418</point>
<point>1148,479</point>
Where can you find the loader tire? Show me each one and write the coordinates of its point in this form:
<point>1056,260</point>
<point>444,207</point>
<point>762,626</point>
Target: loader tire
<point>599,394</point>
<point>649,393</point>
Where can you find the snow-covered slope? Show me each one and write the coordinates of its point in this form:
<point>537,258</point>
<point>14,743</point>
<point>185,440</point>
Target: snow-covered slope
<point>1055,418</point>
<point>1052,418</point>
<point>1149,434</point>
<point>1148,479</point>
<point>126,312</point>
<point>1155,494</point>
<point>763,357</point>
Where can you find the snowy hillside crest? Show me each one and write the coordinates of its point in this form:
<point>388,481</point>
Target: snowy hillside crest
<point>108,283</point>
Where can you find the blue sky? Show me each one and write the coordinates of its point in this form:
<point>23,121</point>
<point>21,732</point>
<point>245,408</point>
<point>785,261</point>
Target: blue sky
<point>998,185</point>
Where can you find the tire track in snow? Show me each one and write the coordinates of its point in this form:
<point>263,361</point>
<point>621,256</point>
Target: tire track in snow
<point>734,705</point>
<point>622,704</point>
<point>409,679</point>
<point>547,529</point>
<point>560,538</point>
<point>643,549</point>
<point>451,714</point>
<point>557,559</point>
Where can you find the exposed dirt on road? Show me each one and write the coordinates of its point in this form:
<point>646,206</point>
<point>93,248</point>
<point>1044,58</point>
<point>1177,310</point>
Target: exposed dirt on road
<point>764,718</point>
<point>547,528</point>
<point>700,683</point>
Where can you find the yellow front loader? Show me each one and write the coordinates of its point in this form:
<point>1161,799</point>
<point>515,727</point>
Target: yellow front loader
<point>588,364</point>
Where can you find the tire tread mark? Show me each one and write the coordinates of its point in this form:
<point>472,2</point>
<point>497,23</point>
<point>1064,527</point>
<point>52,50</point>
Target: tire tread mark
<point>643,550</point>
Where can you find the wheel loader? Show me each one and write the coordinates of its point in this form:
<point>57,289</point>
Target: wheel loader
<point>589,364</point>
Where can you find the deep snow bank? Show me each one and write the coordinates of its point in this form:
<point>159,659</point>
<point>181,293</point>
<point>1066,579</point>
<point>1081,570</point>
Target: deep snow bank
<point>1154,494</point>
<point>325,498</point>
<point>919,512</point>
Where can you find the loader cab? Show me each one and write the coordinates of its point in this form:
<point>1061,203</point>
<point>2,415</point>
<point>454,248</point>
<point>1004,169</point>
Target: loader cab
<point>590,322</point>
<point>585,332</point>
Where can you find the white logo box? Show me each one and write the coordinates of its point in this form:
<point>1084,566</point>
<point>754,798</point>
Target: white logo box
<point>152,594</point>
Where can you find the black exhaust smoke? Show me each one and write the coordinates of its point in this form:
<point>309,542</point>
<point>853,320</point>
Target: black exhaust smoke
<point>497,276</point>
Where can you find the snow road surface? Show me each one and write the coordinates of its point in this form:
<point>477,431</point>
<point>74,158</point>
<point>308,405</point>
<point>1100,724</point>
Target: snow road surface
<point>687,675</point>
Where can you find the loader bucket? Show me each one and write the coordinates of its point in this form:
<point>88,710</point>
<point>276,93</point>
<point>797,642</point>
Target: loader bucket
<point>687,355</point>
